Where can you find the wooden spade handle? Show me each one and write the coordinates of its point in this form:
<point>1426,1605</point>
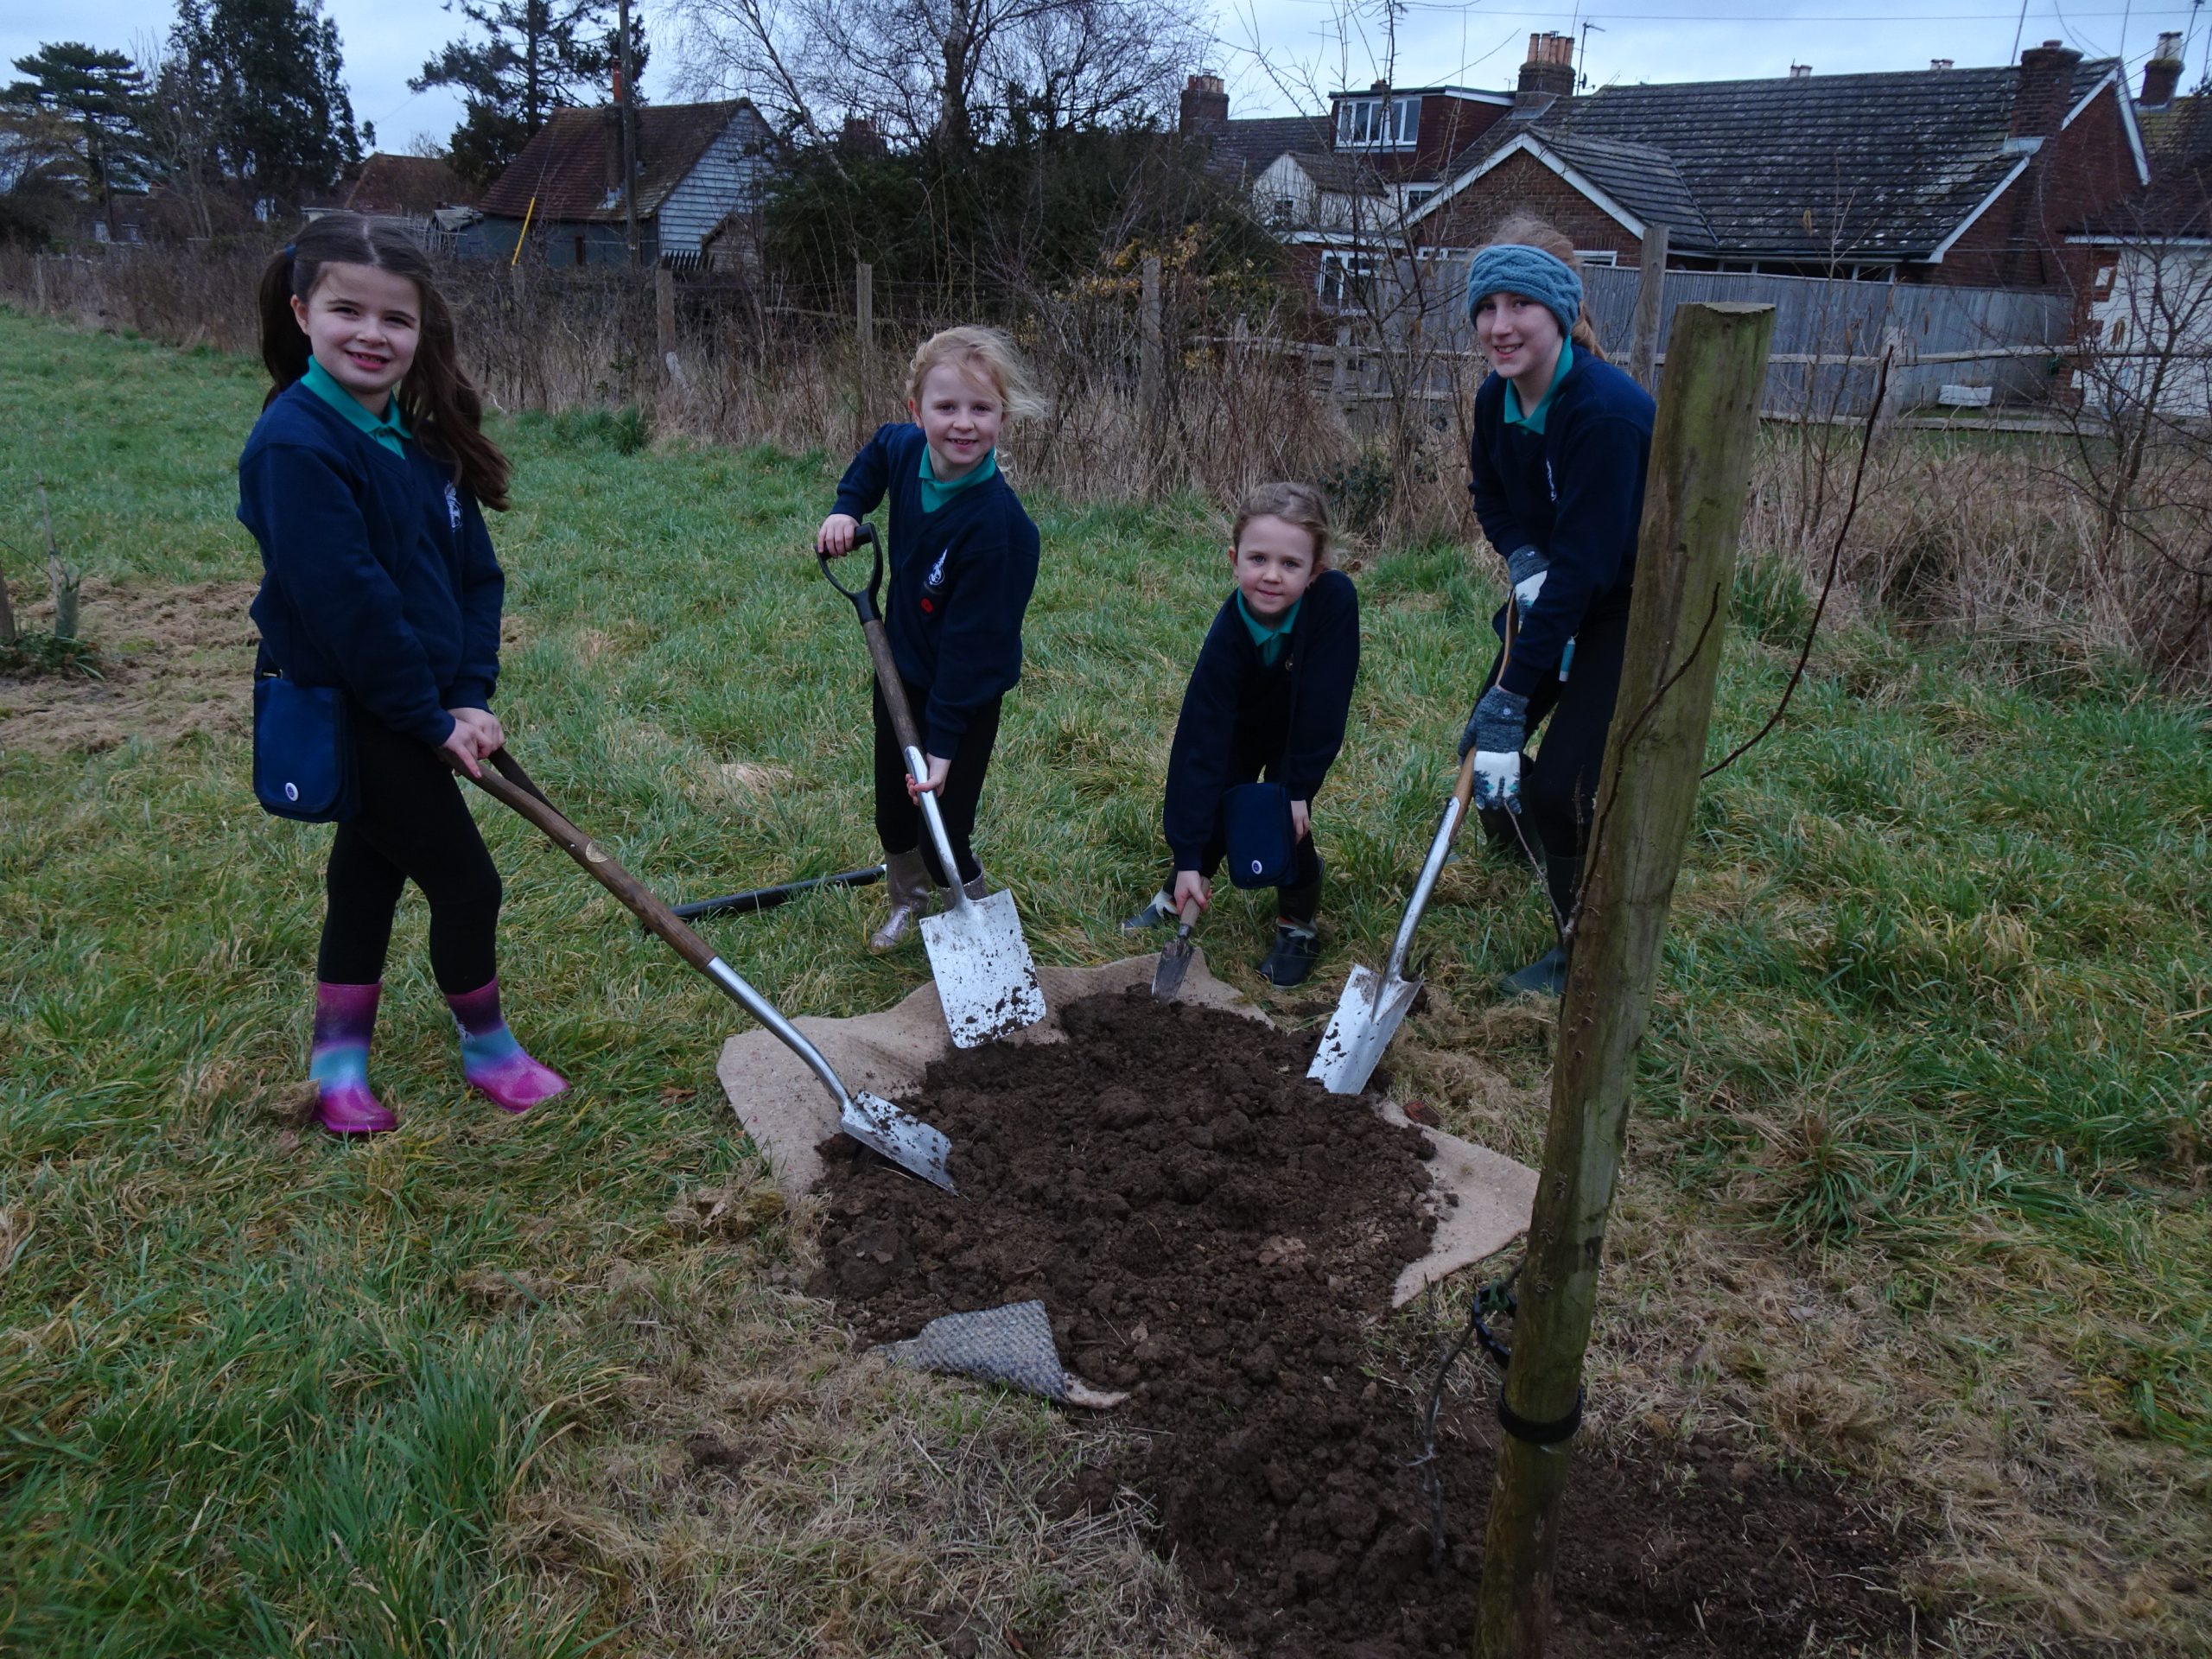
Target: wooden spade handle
<point>514,790</point>
<point>893,688</point>
<point>1463,792</point>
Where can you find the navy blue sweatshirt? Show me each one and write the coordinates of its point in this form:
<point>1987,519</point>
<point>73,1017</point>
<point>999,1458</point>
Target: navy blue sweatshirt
<point>377,573</point>
<point>1294,712</point>
<point>1573,492</point>
<point>961,579</point>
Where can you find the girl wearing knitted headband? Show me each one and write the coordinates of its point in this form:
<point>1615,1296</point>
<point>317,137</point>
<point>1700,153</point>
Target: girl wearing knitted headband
<point>1561,442</point>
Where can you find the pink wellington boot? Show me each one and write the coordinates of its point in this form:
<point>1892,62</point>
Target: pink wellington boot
<point>495,1062</point>
<point>345,1015</point>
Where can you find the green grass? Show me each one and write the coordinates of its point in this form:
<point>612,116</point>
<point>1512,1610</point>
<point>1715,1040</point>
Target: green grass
<point>1936,1006</point>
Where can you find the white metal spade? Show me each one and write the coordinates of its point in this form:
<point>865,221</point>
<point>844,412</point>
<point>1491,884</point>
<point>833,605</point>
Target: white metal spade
<point>985,978</point>
<point>873,1122</point>
<point>1373,1005</point>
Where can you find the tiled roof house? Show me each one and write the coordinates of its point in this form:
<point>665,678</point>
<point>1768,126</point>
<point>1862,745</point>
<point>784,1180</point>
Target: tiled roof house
<point>1971,176</point>
<point>405,187</point>
<point>2147,322</point>
<point>698,164</point>
<point>1329,185</point>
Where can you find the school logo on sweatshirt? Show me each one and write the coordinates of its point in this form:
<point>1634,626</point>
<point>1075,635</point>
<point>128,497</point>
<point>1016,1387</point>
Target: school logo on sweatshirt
<point>453,506</point>
<point>934,582</point>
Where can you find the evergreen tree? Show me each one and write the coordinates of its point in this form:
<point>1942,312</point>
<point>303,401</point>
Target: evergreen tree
<point>95,100</point>
<point>269,75</point>
<point>536,56</point>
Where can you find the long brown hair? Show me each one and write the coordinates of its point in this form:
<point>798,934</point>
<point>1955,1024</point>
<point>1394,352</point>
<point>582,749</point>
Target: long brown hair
<point>1527,231</point>
<point>442,404</point>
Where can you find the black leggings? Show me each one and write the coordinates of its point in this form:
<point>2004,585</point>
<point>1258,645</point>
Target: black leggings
<point>413,825</point>
<point>898,818</point>
<point>1558,787</point>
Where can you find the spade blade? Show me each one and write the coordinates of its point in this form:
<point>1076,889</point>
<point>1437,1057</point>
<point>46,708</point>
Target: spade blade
<point>1367,1017</point>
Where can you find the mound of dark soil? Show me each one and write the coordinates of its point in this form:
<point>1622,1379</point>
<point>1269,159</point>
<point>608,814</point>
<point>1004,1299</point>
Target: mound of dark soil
<point>1218,1235</point>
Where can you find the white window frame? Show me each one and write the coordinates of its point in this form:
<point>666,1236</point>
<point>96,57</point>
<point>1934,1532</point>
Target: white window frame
<point>1341,271</point>
<point>1381,122</point>
<point>1597,256</point>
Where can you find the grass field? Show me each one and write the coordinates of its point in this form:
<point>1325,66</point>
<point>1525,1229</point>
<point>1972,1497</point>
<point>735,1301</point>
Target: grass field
<point>1917,1176</point>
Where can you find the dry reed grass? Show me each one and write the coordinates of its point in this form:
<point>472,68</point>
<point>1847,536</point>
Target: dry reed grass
<point>1983,535</point>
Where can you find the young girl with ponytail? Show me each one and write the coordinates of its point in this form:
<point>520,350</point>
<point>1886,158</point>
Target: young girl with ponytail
<point>363,482</point>
<point>1562,440</point>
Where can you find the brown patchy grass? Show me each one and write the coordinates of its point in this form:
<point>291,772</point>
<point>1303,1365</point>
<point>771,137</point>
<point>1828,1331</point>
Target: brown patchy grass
<point>2054,1534</point>
<point>172,661</point>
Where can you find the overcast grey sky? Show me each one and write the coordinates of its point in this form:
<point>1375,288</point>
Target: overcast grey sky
<point>385,41</point>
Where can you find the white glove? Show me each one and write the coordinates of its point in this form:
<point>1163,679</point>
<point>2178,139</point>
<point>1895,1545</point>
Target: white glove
<point>1498,781</point>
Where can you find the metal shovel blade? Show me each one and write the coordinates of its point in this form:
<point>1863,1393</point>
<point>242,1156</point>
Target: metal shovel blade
<point>898,1135</point>
<point>1367,1017</point>
<point>984,976</point>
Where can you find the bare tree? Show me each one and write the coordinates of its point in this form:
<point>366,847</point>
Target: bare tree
<point>947,71</point>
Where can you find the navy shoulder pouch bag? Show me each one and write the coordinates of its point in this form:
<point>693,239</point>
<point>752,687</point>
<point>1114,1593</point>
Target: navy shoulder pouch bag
<point>304,751</point>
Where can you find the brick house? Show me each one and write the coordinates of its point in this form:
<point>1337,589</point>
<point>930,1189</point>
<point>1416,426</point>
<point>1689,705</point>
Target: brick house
<point>1334,187</point>
<point>1969,176</point>
<point>2144,324</point>
<point>699,167</point>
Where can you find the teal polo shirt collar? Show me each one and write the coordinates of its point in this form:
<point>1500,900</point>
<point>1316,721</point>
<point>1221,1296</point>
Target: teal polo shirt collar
<point>1534,420</point>
<point>1270,637</point>
<point>388,431</point>
<point>935,495</point>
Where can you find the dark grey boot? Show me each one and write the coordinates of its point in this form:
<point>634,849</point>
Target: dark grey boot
<point>906,879</point>
<point>1547,976</point>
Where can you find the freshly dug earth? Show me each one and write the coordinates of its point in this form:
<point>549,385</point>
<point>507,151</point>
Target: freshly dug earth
<point>1219,1235</point>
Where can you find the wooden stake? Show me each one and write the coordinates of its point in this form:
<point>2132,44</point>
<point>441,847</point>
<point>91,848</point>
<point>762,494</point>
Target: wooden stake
<point>1152,375</point>
<point>665,311</point>
<point>1650,312</point>
<point>1693,516</point>
<point>864,338</point>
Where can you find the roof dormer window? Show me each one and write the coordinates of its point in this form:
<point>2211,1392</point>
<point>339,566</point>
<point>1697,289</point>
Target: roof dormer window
<point>1378,123</point>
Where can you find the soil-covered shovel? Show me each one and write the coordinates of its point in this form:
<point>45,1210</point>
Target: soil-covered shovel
<point>873,1122</point>
<point>1373,1005</point>
<point>985,979</point>
<point>1175,958</point>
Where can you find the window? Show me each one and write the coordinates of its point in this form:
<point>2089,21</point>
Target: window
<point>1597,256</point>
<point>1416,195</point>
<point>1377,123</point>
<point>1282,213</point>
<point>1342,276</point>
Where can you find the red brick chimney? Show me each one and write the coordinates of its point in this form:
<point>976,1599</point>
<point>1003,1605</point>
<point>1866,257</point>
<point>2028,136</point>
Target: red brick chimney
<point>1549,72</point>
<point>1205,105</point>
<point>2045,88</point>
<point>2162,74</point>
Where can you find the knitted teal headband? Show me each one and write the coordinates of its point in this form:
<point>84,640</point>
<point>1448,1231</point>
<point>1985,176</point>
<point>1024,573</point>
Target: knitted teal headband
<point>1516,268</point>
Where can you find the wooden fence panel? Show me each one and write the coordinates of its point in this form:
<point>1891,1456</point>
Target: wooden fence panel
<point>1828,332</point>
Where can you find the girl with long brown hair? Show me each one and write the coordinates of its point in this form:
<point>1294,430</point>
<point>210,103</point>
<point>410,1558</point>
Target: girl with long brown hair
<point>363,482</point>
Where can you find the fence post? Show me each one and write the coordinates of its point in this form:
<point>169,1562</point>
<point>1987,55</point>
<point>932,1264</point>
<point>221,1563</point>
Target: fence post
<point>1692,517</point>
<point>1651,290</point>
<point>1151,373</point>
<point>665,318</point>
<point>863,345</point>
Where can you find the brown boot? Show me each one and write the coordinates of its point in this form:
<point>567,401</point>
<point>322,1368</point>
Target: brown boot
<point>906,881</point>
